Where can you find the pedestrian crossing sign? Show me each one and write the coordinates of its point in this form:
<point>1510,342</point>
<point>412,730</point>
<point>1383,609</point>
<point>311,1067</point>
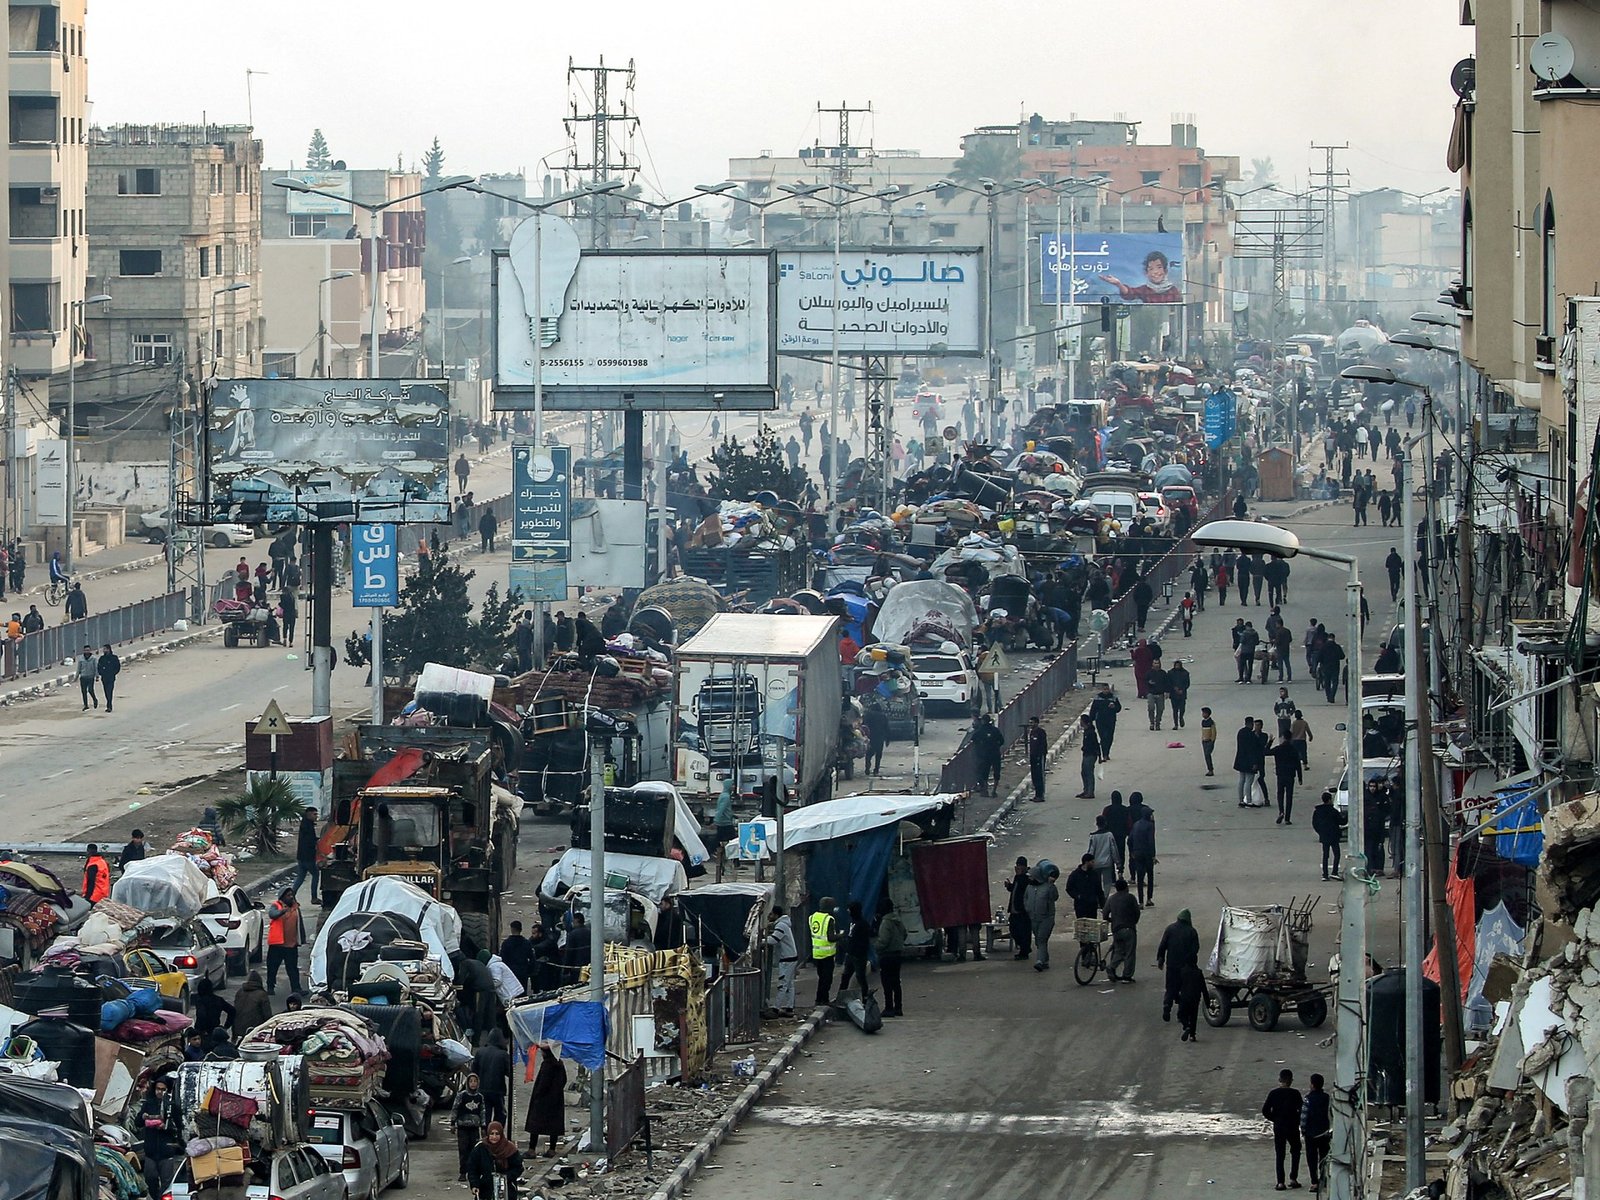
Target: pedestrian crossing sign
<point>272,722</point>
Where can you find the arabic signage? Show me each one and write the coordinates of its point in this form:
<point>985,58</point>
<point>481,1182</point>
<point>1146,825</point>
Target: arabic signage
<point>541,517</point>
<point>331,185</point>
<point>375,582</point>
<point>889,302</point>
<point>328,450</point>
<point>640,329</point>
<point>50,482</point>
<point>1129,268</point>
<point>1221,419</point>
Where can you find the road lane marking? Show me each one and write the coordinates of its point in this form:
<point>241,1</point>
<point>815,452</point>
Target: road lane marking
<point>58,774</point>
<point>228,708</point>
<point>1114,1119</point>
<point>181,725</point>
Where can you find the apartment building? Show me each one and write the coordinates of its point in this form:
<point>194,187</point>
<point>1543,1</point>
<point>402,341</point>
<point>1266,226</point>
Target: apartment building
<point>401,231</point>
<point>175,241</point>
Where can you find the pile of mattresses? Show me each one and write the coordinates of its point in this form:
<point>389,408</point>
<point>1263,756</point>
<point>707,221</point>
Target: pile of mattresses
<point>343,1057</point>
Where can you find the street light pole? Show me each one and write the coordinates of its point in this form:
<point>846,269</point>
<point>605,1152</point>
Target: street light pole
<point>325,318</point>
<point>321,530</point>
<point>1346,1159</point>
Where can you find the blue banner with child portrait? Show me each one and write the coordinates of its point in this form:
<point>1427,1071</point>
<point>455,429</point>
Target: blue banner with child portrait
<point>1125,268</point>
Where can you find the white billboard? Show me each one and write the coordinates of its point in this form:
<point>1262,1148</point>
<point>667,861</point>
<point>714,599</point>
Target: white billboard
<point>50,482</point>
<point>899,301</point>
<point>330,185</point>
<point>648,325</point>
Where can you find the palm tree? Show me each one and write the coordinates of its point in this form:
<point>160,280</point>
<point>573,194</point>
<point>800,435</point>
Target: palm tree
<point>1262,172</point>
<point>260,812</point>
<point>987,158</point>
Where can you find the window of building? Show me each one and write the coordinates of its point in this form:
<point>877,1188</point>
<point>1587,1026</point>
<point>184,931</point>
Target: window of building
<point>216,179</point>
<point>239,177</point>
<point>1149,178</point>
<point>1468,254</point>
<point>141,181</point>
<point>1547,260</point>
<point>307,225</point>
<point>151,347</point>
<point>139,262</point>
<point>280,365</point>
<point>32,306</point>
<point>942,229</point>
<point>1189,175</point>
<point>216,259</point>
<point>205,261</point>
<point>33,119</point>
<point>216,342</point>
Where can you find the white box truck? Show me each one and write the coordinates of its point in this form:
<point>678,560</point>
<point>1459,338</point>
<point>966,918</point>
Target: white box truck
<point>757,697</point>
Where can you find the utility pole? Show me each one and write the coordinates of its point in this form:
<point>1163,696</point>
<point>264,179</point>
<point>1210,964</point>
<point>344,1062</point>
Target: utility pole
<point>843,155</point>
<point>601,166</point>
<point>1333,184</point>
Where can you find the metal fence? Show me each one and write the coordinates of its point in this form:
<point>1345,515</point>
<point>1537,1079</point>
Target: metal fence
<point>625,1115</point>
<point>960,771</point>
<point>744,1007</point>
<point>50,647</point>
<point>716,1015</point>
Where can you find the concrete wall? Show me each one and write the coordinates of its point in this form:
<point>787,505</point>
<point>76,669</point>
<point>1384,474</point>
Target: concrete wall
<point>291,269</point>
<point>136,486</point>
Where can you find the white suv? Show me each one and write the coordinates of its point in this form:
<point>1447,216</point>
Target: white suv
<point>947,677</point>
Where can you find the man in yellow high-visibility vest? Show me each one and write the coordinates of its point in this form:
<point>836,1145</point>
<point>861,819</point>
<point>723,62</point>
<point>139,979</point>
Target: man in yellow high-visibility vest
<point>824,946</point>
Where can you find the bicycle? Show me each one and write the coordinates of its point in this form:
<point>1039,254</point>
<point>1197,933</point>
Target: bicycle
<point>56,592</point>
<point>1091,933</point>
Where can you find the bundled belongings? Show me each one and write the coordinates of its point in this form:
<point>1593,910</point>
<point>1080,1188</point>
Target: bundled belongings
<point>438,925</point>
<point>343,1058</point>
<point>167,884</point>
<point>201,849</point>
<point>27,924</point>
<point>212,1096</point>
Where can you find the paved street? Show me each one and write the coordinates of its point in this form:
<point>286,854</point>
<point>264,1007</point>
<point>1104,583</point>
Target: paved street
<point>1000,1082</point>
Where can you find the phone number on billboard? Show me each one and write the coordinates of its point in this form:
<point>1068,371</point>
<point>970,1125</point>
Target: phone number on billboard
<point>597,362</point>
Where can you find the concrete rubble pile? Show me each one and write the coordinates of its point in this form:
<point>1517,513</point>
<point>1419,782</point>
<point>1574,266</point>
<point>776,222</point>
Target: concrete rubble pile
<point>1529,1086</point>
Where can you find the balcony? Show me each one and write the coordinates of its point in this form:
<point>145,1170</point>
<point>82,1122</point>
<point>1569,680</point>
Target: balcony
<point>38,74</point>
<point>35,214</point>
<point>34,121</point>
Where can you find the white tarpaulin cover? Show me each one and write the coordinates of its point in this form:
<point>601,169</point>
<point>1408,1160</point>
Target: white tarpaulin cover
<point>163,885</point>
<point>439,923</point>
<point>685,828</point>
<point>853,814</point>
<point>907,603</point>
<point>652,878</point>
<point>1247,942</point>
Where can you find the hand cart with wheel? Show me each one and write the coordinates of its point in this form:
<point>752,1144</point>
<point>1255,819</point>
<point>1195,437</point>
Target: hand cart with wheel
<point>1259,964</point>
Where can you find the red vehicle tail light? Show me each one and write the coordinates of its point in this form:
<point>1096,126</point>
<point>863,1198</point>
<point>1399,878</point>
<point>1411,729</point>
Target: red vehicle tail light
<point>185,962</point>
<point>351,1159</point>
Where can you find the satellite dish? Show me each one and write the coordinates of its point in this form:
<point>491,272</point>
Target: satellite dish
<point>1463,77</point>
<point>1552,57</point>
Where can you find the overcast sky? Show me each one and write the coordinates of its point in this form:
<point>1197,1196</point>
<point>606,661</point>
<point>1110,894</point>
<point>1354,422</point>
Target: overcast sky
<point>1262,78</point>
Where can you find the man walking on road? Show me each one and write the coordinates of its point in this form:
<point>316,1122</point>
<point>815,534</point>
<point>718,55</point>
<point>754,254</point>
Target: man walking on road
<point>1329,828</point>
<point>1123,911</point>
<point>1041,904</point>
<point>88,672</point>
<point>1316,1124</point>
<point>1178,683</point>
<point>987,744</point>
<point>1179,948</point>
<point>77,603</point>
<point>305,853</point>
<point>1017,909</point>
<point>108,666</point>
<point>1142,856</point>
<point>1244,760</point>
<point>1103,710</point>
<point>1208,738</point>
<point>1089,743</point>
<point>463,470</point>
<point>1328,660</point>
<point>1103,849</point>
<point>283,941</point>
<point>1282,1111</point>
<point>1157,684</point>
<point>1038,747</point>
<point>1396,567</point>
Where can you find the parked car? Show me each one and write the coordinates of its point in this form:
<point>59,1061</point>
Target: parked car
<point>946,678</point>
<point>292,1173</point>
<point>240,924</point>
<point>1154,505</point>
<point>222,535</point>
<point>1371,768</point>
<point>188,947</point>
<point>368,1145</point>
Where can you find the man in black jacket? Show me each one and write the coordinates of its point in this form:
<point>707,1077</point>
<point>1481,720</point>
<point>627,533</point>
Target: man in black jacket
<point>1396,567</point>
<point>1017,910</point>
<point>1179,948</point>
<point>1329,828</point>
<point>1084,886</point>
<point>1244,760</point>
<point>305,852</point>
<point>108,666</point>
<point>1038,748</point>
<point>987,744</point>
<point>1103,710</point>
<point>1282,1111</point>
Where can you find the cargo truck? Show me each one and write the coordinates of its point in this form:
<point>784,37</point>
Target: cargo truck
<point>757,696</point>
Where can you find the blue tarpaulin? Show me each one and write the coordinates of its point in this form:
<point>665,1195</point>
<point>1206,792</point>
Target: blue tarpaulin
<point>580,1027</point>
<point>851,868</point>
<point>1518,826</point>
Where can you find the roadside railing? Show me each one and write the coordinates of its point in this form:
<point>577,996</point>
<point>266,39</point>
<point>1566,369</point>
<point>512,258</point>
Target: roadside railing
<point>54,645</point>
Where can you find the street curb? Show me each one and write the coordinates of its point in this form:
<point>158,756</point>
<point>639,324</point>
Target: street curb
<point>742,1104</point>
<point>45,686</point>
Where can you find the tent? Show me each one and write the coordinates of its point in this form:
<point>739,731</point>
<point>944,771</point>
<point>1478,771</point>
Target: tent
<point>358,938</point>
<point>908,603</point>
<point>721,914</point>
<point>855,814</point>
<point>438,924</point>
<point>652,878</point>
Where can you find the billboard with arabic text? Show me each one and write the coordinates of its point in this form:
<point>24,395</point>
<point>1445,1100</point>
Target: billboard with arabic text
<point>368,450</point>
<point>1125,268</point>
<point>898,301</point>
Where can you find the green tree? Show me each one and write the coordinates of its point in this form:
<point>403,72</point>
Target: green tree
<point>433,162</point>
<point>259,813</point>
<point>318,157</point>
<point>435,623</point>
<point>986,158</point>
<point>1262,172</point>
<point>740,472</point>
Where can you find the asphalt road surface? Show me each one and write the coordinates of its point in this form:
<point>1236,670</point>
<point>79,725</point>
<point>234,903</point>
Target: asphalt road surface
<point>1003,1082</point>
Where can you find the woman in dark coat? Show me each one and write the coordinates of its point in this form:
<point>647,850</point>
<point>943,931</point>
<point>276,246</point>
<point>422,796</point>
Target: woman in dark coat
<point>547,1105</point>
<point>495,1155</point>
<point>158,1127</point>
